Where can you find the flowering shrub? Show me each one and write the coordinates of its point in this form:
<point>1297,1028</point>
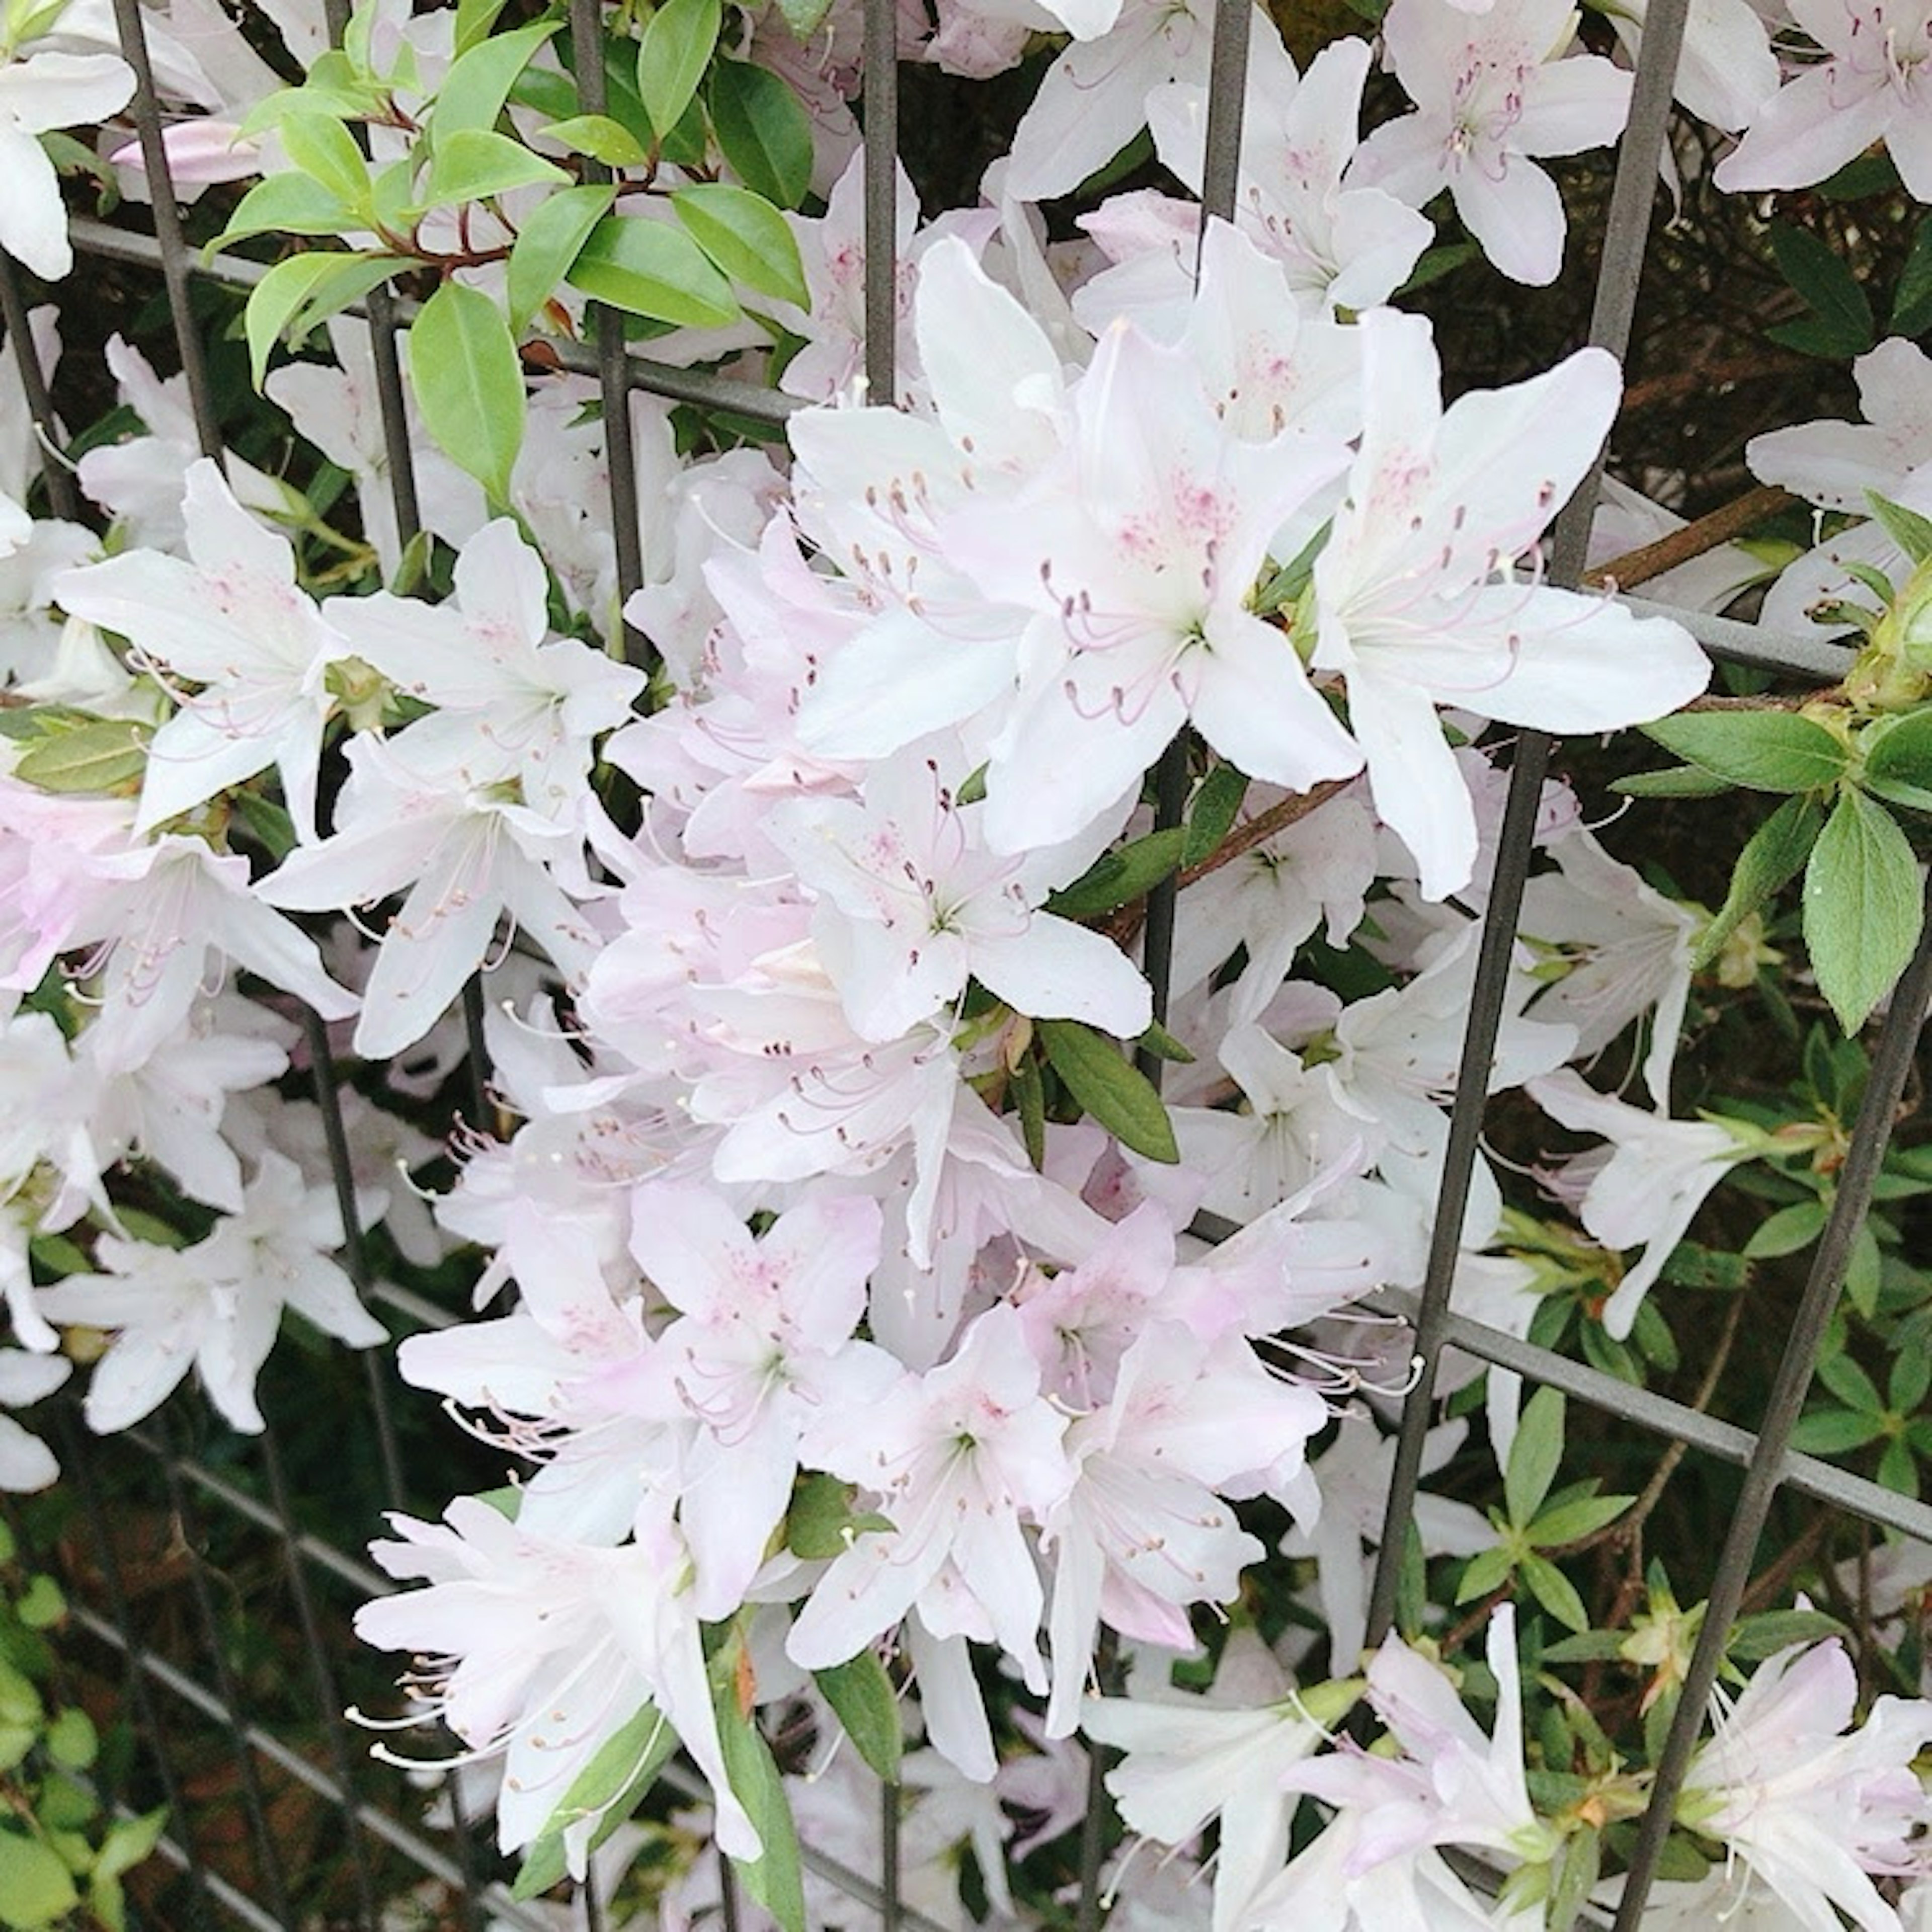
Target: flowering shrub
<point>891,1352</point>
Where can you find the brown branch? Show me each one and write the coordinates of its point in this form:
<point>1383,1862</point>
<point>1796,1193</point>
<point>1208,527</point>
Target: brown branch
<point>1707,533</point>
<point>1674,388</point>
<point>1263,827</point>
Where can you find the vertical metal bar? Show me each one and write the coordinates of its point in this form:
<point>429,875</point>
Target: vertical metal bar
<point>62,497</point>
<point>880,53</point>
<point>586,41</point>
<point>1892,1063</point>
<point>76,1460</point>
<point>727,1894</point>
<point>175,253</point>
<point>268,1866</point>
<point>1227,106</point>
<point>329,1703</point>
<point>1625,237</point>
<point>589,1896</point>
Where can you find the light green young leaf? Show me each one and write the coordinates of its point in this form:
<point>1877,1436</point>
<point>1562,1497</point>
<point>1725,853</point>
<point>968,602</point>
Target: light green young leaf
<point>1862,906</point>
<point>289,204</point>
<point>474,20</point>
<point>619,1771</point>
<point>473,163</point>
<point>1117,1094</point>
<point>1533,1456</point>
<point>298,293</point>
<point>860,1694</point>
<point>676,48</point>
<point>469,383</point>
<point>35,1887</point>
<point>1772,854</point>
<point>774,1879</point>
<point>651,268</point>
<point>72,1740</point>
<point>1764,750</point>
<point>321,148</point>
<point>746,236</point>
<point>41,1605</point>
<point>479,82</point>
<point>109,755</point>
<point>762,127</point>
<point>1911,533</point>
<point>1554,1591</point>
<point>600,137</point>
<point>547,244</point>
<point>1581,1516</point>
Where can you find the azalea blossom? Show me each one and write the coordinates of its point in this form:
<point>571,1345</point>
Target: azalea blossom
<point>42,90</point>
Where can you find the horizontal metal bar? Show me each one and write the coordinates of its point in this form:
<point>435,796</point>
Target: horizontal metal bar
<point>398,1836</point>
<point>1814,660</point>
<point>225,1893</point>
<point>658,379</point>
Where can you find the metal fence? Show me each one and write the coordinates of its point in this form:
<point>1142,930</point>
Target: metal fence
<point>255,1759</point>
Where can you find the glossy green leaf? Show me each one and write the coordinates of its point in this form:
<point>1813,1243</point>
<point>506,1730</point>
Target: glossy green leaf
<point>763,130</point>
<point>289,204</point>
<point>1216,805</point>
<point>1911,533</point>
<point>473,91</point>
<point>1109,1087</point>
<point>1862,906</point>
<point>35,1887</point>
<point>473,163</point>
<point>1764,750</point>
<point>676,47</point>
<point>1772,855</point>
<point>474,20</point>
<point>1842,324</point>
<point>1115,878</point>
<point>109,755</point>
<point>775,1878</point>
<point>321,148</point>
<point>651,268</point>
<point>600,137</point>
<point>298,293</point>
<point>469,383</point>
<point>746,236</point>
<point>1533,1456</point>
<point>547,245</point>
<point>860,1693</point>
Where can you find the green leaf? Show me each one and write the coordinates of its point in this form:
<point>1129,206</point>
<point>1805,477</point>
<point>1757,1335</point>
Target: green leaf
<point>676,48</point>
<point>652,268</point>
<point>600,137</point>
<point>1678,781</point>
<point>269,824</point>
<point>1554,1591</point>
<point>1864,1273</point>
<point>774,1879</point>
<point>1115,878</point>
<point>473,163</point>
<point>1577,1868</point>
<point>1897,750</point>
<point>746,236</point>
<point>1754,1639</point>
<point>1787,1231</point>
<point>804,17</point>
<point>478,82</point>
<point>1764,750</point>
<point>1862,908</point>
<point>321,148</point>
<point>1216,806</point>
<point>35,1887</point>
<point>296,294</point>
<point>620,1771</point>
<point>1488,1570</point>
<point>1581,1517</point>
<point>109,755</point>
<point>1910,1377</point>
<point>1115,1092</point>
<point>72,1740</point>
<point>763,130</point>
<point>1772,855</point>
<point>1590,1647</point>
<point>289,204</point>
<point>41,1605</point>
<point>1844,324</point>
<point>1911,533</point>
<point>547,244</point>
<point>469,383</point>
<point>545,1863</point>
<point>1851,1385</point>
<point>821,1523</point>
<point>1162,1045</point>
<point>1533,1456</point>
<point>1029,1093</point>
<point>1830,1432</point>
<point>860,1694</point>
<point>1897,1470</point>
<point>1911,300</point>
<point>474,20</point>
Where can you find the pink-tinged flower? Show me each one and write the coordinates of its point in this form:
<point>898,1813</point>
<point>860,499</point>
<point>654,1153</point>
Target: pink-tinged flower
<point>957,1457</point>
<point>1874,84</point>
<point>1139,554</point>
<point>1815,1809</point>
<point>200,153</point>
<point>762,1349</point>
<point>540,1649</point>
<point>1415,603</point>
<point>234,622</point>
<point>1726,71</point>
<point>1656,1177</point>
<point>1491,92</point>
<point>414,814</point>
<point>216,1306</point>
<point>39,94</point>
<point>911,905</point>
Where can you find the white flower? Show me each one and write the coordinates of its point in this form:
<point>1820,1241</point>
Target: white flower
<point>39,93</point>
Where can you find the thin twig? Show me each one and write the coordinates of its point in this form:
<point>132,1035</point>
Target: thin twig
<point>1720,527</point>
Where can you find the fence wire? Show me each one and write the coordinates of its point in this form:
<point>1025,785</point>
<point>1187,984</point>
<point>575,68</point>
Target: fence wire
<point>258,1768</point>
